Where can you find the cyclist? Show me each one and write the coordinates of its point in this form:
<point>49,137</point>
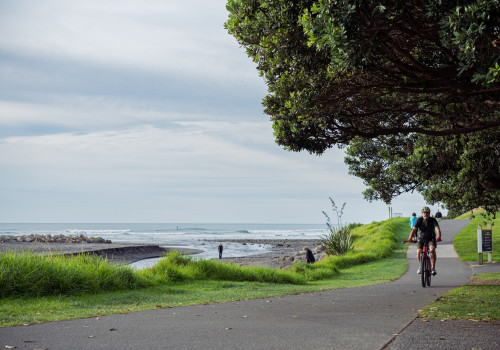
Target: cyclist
<point>429,232</point>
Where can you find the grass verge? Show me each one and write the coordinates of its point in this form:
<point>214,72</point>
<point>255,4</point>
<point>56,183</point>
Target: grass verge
<point>479,300</point>
<point>377,258</point>
<point>465,241</point>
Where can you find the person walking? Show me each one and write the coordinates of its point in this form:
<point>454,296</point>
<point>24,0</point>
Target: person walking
<point>413,219</point>
<point>438,215</point>
<point>220,249</point>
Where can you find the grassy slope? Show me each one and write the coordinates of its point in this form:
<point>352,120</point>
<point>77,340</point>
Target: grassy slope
<point>465,242</point>
<point>28,310</point>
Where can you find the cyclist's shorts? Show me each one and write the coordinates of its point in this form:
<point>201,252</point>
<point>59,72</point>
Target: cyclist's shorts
<point>420,244</point>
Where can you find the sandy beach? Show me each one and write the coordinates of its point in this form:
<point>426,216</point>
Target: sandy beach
<point>283,252</point>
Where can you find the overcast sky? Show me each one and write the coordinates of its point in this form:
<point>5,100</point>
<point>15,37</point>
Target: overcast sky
<point>149,111</point>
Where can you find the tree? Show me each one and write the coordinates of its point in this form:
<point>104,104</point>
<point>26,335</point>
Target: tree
<point>461,171</point>
<point>368,73</point>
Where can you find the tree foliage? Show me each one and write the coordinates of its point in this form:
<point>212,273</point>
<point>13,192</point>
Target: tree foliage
<point>416,74</point>
<point>461,171</point>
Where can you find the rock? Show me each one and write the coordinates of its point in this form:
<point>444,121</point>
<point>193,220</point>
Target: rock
<point>48,238</point>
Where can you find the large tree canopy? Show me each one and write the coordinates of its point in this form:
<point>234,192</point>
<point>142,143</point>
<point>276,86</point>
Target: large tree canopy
<point>397,80</point>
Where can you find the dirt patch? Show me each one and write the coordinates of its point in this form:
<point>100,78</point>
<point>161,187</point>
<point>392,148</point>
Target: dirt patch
<point>478,281</point>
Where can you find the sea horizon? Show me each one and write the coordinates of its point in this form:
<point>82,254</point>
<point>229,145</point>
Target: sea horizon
<point>201,236</point>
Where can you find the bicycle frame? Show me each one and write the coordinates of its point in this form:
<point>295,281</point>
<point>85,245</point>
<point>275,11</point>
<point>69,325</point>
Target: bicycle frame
<point>425,265</point>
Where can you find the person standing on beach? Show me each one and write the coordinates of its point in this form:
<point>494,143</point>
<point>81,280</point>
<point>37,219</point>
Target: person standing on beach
<point>220,249</point>
<point>309,256</point>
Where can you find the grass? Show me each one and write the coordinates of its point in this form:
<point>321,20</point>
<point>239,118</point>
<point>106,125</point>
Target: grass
<point>25,273</point>
<point>478,300</point>
<point>176,280</point>
<point>465,242</point>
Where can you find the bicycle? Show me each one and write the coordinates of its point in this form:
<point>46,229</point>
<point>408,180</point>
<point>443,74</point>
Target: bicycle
<point>425,264</point>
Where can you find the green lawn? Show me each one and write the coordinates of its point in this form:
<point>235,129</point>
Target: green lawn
<point>480,298</point>
<point>477,300</point>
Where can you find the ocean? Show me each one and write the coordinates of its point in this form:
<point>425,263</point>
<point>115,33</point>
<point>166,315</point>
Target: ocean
<point>195,236</point>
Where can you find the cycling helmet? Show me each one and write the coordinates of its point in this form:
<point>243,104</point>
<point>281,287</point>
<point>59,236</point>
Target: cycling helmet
<point>426,210</point>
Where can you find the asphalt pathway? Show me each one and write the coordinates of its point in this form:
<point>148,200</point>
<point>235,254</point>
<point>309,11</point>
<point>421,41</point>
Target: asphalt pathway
<point>368,317</point>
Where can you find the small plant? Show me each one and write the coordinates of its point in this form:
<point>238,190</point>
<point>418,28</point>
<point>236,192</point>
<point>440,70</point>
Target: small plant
<point>339,241</point>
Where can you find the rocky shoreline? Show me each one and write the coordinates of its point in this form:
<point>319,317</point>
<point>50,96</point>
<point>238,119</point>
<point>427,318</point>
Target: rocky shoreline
<point>283,252</point>
<point>72,245</point>
<point>53,239</point>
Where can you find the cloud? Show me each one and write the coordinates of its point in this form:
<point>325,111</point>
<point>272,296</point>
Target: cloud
<point>147,111</point>
<point>195,149</point>
<point>146,35</point>
<point>220,162</point>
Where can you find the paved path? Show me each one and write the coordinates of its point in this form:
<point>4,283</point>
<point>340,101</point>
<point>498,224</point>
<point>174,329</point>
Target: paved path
<point>357,318</point>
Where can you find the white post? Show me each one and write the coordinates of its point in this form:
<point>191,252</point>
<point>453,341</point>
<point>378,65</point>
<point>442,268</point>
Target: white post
<point>490,254</point>
<point>480,244</point>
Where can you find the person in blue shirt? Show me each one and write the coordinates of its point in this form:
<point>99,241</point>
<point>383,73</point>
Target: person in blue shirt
<point>413,219</point>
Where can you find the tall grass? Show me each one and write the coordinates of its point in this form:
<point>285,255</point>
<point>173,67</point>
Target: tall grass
<point>25,273</point>
<point>36,275</point>
<point>175,267</point>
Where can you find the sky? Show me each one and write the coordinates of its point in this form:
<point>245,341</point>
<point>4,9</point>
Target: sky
<point>149,111</point>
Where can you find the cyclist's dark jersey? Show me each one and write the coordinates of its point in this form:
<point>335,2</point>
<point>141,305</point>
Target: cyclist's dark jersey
<point>427,229</point>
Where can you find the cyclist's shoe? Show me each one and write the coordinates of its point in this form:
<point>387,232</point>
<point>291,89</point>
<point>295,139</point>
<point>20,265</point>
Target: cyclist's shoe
<point>433,271</point>
<point>419,271</point>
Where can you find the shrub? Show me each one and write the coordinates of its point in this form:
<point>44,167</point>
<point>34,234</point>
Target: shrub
<point>339,241</point>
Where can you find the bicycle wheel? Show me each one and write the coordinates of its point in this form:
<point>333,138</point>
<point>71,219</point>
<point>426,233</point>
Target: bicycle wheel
<point>423,269</point>
<point>429,274</point>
